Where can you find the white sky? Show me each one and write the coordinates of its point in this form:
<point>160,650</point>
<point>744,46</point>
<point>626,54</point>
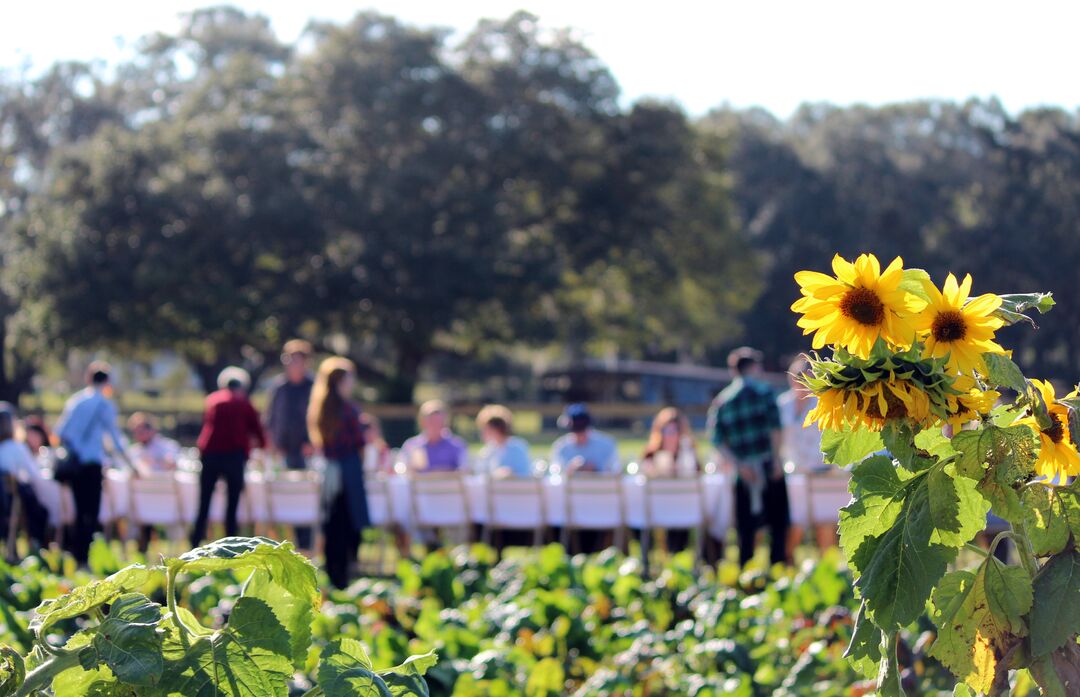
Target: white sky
<point>775,54</point>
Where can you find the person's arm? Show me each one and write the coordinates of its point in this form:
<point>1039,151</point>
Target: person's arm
<point>273,418</point>
<point>776,438</point>
<point>255,427</point>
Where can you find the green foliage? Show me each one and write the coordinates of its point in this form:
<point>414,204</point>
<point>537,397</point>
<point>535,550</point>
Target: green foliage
<point>848,447</point>
<point>1055,618</point>
<point>131,645</point>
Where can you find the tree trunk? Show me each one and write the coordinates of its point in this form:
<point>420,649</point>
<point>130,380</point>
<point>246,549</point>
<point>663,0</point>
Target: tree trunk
<point>402,384</point>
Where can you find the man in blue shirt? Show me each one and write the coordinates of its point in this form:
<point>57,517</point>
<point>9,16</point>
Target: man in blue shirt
<point>88,416</point>
<point>584,449</point>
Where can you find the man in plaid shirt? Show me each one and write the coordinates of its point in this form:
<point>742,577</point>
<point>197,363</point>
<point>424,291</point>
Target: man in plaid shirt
<point>744,425</point>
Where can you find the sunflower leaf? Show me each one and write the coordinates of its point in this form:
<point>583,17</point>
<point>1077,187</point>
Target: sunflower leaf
<point>915,281</point>
<point>1002,372</point>
<point>1014,306</point>
<point>864,649</point>
<point>849,446</point>
<point>1055,617</point>
<point>1051,515</point>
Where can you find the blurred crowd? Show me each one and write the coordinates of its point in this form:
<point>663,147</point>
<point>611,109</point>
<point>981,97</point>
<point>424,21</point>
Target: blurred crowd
<point>313,420</point>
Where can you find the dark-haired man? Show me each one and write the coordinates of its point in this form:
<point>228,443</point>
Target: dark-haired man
<point>88,416</point>
<point>744,425</point>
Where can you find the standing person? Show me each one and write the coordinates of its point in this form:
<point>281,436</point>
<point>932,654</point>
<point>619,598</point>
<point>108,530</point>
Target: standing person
<point>435,448</point>
<point>801,445</point>
<point>230,426</point>
<point>88,416</point>
<point>335,428</point>
<point>744,422</point>
<point>287,415</point>
<point>503,454</point>
<point>584,449</point>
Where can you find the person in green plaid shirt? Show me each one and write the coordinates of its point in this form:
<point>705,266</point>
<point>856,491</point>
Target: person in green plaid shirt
<point>744,425</point>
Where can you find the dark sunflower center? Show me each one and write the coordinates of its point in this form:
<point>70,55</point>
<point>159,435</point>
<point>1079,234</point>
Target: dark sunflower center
<point>949,326</point>
<point>897,409</point>
<point>1056,432</point>
<point>864,306</point>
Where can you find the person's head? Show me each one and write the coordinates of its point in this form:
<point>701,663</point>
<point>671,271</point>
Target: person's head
<point>98,374</point>
<point>496,423</point>
<point>333,384</point>
<point>143,427</point>
<point>744,361</point>
<point>797,370</point>
<point>576,419</point>
<point>234,379</point>
<point>433,417</point>
<point>295,356</point>
<point>37,434</point>
<point>668,428</point>
<point>7,425</point>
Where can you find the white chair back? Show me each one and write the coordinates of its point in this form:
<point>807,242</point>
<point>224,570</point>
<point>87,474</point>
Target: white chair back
<point>827,493</point>
<point>516,504</point>
<point>294,497</point>
<point>379,502</point>
<point>594,502</point>
<point>155,500</point>
<point>254,507</point>
<point>439,500</point>
<point>677,503</point>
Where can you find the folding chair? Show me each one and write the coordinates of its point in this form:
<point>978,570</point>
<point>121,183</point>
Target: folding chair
<point>380,506</point>
<point>439,502</point>
<point>294,498</point>
<point>826,493</point>
<point>594,502</point>
<point>675,504</point>
<point>155,499</point>
<point>516,504</point>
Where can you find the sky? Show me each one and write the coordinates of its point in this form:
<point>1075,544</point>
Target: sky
<point>769,53</point>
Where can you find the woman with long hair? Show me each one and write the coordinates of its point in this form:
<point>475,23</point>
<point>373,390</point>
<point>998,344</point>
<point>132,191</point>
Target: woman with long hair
<point>670,452</point>
<point>335,429</point>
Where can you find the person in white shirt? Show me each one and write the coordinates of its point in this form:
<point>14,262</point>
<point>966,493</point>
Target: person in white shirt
<point>503,454</point>
<point>801,445</point>
<point>150,450</point>
<point>18,464</point>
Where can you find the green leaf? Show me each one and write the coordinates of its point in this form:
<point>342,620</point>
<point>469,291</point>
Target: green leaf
<point>1055,618</point>
<point>546,678</point>
<point>864,649</point>
<point>979,617</point>
<point>129,640</point>
<point>934,442</point>
<point>957,509</point>
<point>1014,306</point>
<point>295,613</point>
<point>1001,459</point>
<point>1051,515</point>
<point>91,681</point>
<point>249,657</point>
<point>848,447</point>
<point>346,671</point>
<point>900,567</point>
<point>878,488</point>
<point>915,281</point>
<point>290,570</point>
<point>12,671</point>
<point>888,679</point>
<point>83,599</point>
<point>407,679</point>
<point>1002,372</point>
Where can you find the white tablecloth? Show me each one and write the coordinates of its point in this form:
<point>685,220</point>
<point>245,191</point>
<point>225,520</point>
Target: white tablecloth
<point>829,496</point>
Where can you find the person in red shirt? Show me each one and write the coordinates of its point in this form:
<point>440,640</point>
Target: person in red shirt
<point>230,426</point>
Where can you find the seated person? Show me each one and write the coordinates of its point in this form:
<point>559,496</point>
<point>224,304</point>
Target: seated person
<point>584,449</point>
<point>39,440</point>
<point>670,451</point>
<point>503,454</point>
<point>435,448</point>
<point>376,451</point>
<point>19,467</point>
<point>151,451</point>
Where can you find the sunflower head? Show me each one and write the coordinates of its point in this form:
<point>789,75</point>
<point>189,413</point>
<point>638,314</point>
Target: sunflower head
<point>1058,455</point>
<point>960,327</point>
<point>972,402</point>
<point>858,306</point>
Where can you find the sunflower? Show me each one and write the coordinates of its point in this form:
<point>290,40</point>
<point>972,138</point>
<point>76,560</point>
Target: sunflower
<point>971,403</point>
<point>858,306</point>
<point>960,328</point>
<point>1057,454</point>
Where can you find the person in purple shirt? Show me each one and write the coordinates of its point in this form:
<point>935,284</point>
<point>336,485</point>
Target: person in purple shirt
<point>435,448</point>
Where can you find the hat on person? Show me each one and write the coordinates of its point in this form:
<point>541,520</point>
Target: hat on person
<point>575,417</point>
<point>234,378</point>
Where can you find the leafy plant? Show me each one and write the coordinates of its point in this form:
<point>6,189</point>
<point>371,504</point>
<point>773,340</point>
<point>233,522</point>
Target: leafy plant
<point>128,644</point>
<point>912,366</point>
